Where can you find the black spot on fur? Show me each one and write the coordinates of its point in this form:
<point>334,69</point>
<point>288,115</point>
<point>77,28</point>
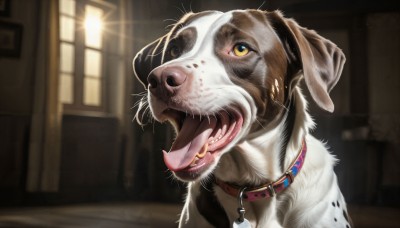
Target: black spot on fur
<point>335,219</point>
<point>337,202</point>
<point>333,204</point>
<point>345,215</point>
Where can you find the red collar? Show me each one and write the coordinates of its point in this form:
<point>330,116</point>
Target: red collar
<point>270,189</point>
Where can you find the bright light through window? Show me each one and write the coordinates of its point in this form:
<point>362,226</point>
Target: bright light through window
<point>82,84</point>
<point>93,26</point>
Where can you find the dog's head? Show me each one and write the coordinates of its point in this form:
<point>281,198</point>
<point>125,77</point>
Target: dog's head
<point>218,76</point>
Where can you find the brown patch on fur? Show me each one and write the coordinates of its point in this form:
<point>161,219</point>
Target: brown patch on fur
<point>208,206</point>
<point>276,81</point>
<point>321,60</point>
<point>263,72</point>
<point>242,20</point>
<point>183,42</point>
<point>148,58</point>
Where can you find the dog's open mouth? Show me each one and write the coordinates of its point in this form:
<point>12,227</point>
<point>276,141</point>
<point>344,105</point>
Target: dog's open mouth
<point>200,139</point>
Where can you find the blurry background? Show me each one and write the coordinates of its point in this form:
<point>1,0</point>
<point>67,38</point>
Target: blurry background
<point>66,93</point>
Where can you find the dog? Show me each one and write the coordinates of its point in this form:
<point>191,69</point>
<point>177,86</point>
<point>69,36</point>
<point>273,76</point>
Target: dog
<point>229,83</point>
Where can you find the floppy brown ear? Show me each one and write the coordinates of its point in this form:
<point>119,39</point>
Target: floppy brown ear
<point>320,59</point>
<point>147,59</point>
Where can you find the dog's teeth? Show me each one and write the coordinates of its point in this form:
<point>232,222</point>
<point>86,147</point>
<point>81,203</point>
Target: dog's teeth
<point>194,162</point>
<point>215,139</point>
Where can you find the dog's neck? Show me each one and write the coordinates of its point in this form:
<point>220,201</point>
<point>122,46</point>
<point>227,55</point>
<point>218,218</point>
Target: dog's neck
<point>258,159</point>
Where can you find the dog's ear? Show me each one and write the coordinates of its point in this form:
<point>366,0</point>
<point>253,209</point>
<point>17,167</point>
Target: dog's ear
<point>147,59</point>
<point>320,59</point>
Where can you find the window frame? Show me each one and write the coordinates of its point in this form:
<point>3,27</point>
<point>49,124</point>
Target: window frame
<point>78,75</point>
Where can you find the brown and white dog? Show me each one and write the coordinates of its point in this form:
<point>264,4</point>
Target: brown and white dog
<point>229,84</point>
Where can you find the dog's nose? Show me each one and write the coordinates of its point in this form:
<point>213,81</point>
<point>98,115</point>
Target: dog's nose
<point>166,81</point>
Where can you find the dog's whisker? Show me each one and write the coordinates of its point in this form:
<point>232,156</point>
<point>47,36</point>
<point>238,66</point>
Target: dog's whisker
<point>137,104</point>
<point>139,94</point>
<point>170,19</point>
<point>183,7</point>
<point>204,183</point>
<point>260,123</point>
<point>168,27</point>
<point>281,105</point>
<point>261,5</point>
<point>178,8</point>
<point>155,54</point>
<point>143,111</point>
<point>190,6</point>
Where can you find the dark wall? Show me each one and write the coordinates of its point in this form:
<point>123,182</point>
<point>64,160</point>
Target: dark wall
<point>14,139</point>
<point>90,159</point>
<point>16,98</point>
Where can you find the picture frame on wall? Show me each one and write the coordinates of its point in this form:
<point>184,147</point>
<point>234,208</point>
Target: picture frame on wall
<point>10,39</point>
<point>4,8</point>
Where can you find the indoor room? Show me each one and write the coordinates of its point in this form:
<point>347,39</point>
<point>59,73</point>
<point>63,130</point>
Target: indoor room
<point>81,144</point>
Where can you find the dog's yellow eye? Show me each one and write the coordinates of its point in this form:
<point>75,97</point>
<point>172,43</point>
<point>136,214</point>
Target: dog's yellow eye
<point>174,51</point>
<point>240,50</point>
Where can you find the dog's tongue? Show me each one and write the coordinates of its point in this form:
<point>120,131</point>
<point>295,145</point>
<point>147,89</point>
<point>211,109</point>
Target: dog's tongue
<point>190,141</point>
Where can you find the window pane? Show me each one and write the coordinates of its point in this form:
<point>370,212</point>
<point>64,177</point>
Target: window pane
<point>67,7</point>
<point>92,93</point>
<point>93,26</point>
<point>92,63</point>
<point>67,28</point>
<point>67,58</point>
<point>66,88</point>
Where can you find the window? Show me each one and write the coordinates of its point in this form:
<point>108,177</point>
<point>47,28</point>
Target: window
<point>67,50</point>
<point>82,48</point>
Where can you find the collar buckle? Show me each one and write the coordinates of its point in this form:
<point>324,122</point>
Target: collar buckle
<point>289,174</point>
<point>271,190</point>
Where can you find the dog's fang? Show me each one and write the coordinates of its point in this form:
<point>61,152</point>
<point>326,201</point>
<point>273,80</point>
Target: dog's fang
<point>203,152</point>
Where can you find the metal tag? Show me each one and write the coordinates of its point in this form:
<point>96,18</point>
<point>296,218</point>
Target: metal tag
<point>244,224</point>
<point>241,222</point>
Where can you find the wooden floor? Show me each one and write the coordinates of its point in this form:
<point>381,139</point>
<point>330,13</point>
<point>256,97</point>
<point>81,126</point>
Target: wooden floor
<point>120,215</point>
<point>114,215</point>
